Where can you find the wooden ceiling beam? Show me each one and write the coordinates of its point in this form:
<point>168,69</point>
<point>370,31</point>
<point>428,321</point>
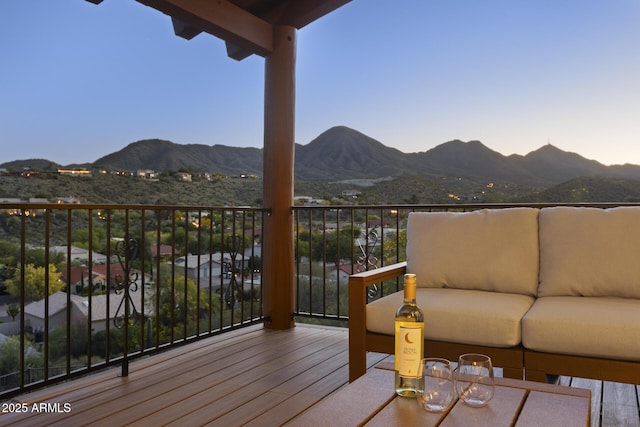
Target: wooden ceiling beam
<point>183,30</point>
<point>300,13</point>
<point>292,13</point>
<point>221,19</point>
<point>236,52</point>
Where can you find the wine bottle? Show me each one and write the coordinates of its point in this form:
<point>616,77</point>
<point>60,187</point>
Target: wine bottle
<point>409,340</point>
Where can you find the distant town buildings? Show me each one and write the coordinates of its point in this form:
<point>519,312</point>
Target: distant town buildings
<point>349,196</point>
<point>147,174</point>
<point>183,176</point>
<point>74,172</point>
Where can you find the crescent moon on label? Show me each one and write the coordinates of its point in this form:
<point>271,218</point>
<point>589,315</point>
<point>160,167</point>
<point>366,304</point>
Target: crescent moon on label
<point>406,338</point>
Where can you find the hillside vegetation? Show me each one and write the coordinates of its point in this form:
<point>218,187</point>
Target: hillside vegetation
<point>226,191</point>
<point>337,160</point>
<point>128,190</point>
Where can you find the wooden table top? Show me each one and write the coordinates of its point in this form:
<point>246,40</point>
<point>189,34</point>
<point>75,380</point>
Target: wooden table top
<point>371,400</point>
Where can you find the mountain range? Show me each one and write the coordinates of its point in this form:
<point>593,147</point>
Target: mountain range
<point>342,153</point>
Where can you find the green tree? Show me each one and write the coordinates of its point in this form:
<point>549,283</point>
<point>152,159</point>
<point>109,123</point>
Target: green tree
<point>334,245</point>
<point>36,256</point>
<point>182,306</point>
<point>79,343</point>
<point>302,246</point>
<point>6,272</point>
<point>34,281</point>
<point>80,238</point>
<point>413,200</point>
<point>13,309</point>
<point>116,341</point>
<point>9,253</point>
<point>99,343</point>
<point>10,355</point>
<point>12,225</point>
<point>395,250</point>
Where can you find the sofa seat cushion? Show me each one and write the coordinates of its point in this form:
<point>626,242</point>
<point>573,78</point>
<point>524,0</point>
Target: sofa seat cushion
<point>460,316</point>
<point>603,327</point>
<point>590,252</point>
<point>486,250</point>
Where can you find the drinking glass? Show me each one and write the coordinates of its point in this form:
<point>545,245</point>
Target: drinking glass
<point>436,390</point>
<point>474,379</point>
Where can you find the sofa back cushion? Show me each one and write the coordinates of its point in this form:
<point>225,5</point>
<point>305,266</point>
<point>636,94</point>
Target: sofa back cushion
<point>488,250</point>
<point>590,252</point>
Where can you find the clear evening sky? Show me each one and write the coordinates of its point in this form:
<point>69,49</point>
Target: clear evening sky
<point>79,81</point>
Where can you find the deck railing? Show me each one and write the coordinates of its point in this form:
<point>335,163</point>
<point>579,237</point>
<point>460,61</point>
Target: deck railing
<point>333,242</point>
<point>96,285</point>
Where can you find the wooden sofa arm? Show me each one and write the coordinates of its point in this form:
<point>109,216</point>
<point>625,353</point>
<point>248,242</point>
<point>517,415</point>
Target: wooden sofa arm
<point>358,284</point>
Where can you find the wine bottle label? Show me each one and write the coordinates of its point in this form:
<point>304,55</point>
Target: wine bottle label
<point>409,342</point>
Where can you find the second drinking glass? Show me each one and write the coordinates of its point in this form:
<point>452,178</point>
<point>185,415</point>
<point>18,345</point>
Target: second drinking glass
<point>474,379</point>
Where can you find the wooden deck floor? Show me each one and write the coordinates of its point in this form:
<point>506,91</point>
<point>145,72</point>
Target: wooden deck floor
<point>252,377</point>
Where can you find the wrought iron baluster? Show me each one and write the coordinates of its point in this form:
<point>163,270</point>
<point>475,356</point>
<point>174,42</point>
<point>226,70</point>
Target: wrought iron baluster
<point>233,290</point>
<point>126,252</point>
<point>367,260</point>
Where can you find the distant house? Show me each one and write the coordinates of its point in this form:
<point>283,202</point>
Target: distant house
<point>80,308</point>
<point>27,173</point>
<point>75,253</point>
<point>67,200</point>
<point>341,272</point>
<point>79,278</point>
<point>38,200</point>
<point>183,176</point>
<point>200,267</point>
<point>34,313</point>
<point>12,200</point>
<point>146,174</point>
<point>308,201</point>
<point>377,222</point>
<point>164,252</point>
<point>74,172</point>
<point>256,250</point>
<point>36,212</point>
<point>351,194</point>
<point>99,315</point>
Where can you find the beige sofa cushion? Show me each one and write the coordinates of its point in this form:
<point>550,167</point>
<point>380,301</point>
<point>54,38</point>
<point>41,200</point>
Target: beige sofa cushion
<point>459,316</point>
<point>590,252</point>
<point>488,250</point>
<point>584,326</point>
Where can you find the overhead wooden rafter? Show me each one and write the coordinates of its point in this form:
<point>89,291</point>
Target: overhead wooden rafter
<point>246,26</point>
<point>219,18</point>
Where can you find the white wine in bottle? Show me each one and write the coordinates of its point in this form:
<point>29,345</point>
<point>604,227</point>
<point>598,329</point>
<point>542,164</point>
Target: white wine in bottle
<point>409,340</point>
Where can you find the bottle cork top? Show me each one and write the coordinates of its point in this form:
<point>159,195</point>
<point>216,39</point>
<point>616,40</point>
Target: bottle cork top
<point>409,279</point>
<point>409,287</point>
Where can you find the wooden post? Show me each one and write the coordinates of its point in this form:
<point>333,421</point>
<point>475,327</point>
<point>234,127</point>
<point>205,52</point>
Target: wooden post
<point>279,147</point>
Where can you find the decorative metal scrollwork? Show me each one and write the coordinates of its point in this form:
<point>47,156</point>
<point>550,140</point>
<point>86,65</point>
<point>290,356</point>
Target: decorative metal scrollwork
<point>233,291</point>
<point>367,260</point>
<point>126,252</point>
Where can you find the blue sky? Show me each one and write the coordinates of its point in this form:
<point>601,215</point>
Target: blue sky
<point>79,81</point>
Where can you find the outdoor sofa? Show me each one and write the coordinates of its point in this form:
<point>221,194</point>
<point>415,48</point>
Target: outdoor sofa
<point>544,292</point>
